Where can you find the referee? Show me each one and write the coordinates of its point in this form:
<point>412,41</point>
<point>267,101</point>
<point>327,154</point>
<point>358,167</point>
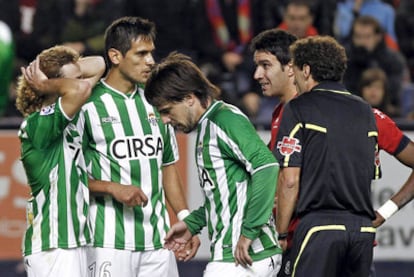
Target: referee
<point>327,149</point>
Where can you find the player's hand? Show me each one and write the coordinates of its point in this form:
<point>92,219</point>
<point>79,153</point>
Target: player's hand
<point>177,237</point>
<point>129,195</point>
<point>242,252</point>
<point>283,244</point>
<point>33,75</point>
<point>190,249</point>
<point>275,203</point>
<point>378,221</point>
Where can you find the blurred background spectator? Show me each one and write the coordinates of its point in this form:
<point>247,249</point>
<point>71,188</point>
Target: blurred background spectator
<point>404,27</point>
<point>348,10</point>
<point>6,65</point>
<point>223,32</point>
<point>174,21</point>
<point>367,49</point>
<point>79,24</point>
<point>373,88</point>
<point>216,34</point>
<point>298,19</point>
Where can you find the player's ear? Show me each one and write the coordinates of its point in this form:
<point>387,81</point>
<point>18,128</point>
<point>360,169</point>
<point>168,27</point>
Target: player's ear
<point>289,67</point>
<point>190,99</point>
<point>306,71</point>
<point>114,55</point>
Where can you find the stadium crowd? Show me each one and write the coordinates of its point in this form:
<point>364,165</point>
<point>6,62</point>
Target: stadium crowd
<point>216,34</point>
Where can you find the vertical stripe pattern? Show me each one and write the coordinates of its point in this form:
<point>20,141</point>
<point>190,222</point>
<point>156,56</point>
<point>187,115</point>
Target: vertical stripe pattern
<point>125,142</point>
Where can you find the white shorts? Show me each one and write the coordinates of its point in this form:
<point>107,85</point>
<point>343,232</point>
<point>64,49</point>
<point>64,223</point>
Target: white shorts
<point>57,262</point>
<point>268,267</point>
<point>116,262</point>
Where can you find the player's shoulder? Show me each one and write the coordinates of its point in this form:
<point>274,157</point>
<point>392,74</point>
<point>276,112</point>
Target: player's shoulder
<point>224,113</point>
<point>383,120</point>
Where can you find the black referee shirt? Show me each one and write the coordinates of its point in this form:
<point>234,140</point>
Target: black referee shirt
<point>332,135</point>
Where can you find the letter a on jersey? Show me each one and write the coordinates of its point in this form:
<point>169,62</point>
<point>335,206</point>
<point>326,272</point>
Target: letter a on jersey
<point>288,145</point>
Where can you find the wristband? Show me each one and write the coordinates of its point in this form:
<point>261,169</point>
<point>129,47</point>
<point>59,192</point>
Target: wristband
<point>282,236</point>
<point>388,209</point>
<point>183,214</point>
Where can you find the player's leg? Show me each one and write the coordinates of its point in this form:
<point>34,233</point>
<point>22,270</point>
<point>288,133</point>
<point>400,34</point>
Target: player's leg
<point>286,266</point>
<point>154,263</point>
<point>319,245</point>
<point>57,262</point>
<point>110,262</point>
<point>360,254</point>
<point>268,267</point>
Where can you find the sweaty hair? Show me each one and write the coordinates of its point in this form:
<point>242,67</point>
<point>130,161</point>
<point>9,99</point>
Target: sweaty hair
<point>123,31</point>
<point>51,62</point>
<point>274,41</point>
<point>325,56</point>
<point>175,78</point>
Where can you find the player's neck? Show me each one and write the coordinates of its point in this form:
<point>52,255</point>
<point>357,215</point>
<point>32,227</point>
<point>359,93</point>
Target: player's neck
<point>120,84</point>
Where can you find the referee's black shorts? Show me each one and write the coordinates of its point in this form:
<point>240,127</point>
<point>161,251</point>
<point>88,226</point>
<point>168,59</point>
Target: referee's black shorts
<point>332,243</point>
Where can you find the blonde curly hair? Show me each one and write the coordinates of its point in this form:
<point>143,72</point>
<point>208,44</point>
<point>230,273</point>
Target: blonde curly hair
<point>51,62</point>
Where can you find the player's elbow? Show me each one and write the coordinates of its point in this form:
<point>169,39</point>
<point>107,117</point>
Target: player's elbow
<point>84,90</point>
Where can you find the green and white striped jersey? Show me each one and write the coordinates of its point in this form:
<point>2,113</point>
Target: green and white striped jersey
<point>55,168</point>
<point>126,142</point>
<point>229,153</point>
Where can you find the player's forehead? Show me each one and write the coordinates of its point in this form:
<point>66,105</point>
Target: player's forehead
<point>261,56</point>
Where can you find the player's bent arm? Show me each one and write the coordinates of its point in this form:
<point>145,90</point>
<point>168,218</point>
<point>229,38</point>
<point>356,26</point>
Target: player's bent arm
<point>287,193</point>
<point>127,194</point>
<point>92,68</point>
<point>260,202</point>
<point>405,194</point>
<point>74,92</point>
<point>173,190</point>
<point>196,220</point>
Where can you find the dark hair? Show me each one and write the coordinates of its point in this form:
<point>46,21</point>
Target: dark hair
<point>276,42</point>
<point>304,3</point>
<point>370,76</point>
<point>325,56</point>
<point>175,78</point>
<point>367,20</point>
<point>123,31</point>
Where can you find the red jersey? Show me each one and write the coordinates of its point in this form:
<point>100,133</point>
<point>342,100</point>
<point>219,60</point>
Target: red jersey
<point>310,31</point>
<point>390,138</point>
<point>274,128</point>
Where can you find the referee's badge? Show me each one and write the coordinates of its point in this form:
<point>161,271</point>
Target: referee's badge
<point>287,146</point>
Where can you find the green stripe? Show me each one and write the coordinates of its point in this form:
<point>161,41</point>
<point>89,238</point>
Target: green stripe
<point>29,231</point>
<point>62,202</point>
<point>212,173</point>
<point>74,205</point>
<point>99,222</point>
<point>119,228</point>
<point>232,198</point>
<point>124,117</point>
<point>139,228</point>
<point>155,182</point>
<point>45,225</point>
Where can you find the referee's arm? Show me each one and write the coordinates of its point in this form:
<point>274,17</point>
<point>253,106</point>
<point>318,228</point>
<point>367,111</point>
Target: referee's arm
<point>287,195</point>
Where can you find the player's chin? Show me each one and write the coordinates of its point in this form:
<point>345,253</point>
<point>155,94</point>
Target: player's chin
<point>184,129</point>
